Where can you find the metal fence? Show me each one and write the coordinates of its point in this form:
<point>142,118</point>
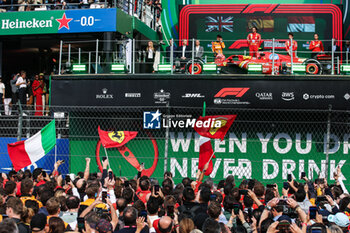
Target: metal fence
<point>262,144</point>
<point>143,56</point>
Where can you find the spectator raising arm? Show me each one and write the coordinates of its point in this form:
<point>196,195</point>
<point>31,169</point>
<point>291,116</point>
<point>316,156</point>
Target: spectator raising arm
<point>87,169</point>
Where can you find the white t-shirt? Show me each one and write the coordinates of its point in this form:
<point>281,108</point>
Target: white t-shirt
<point>20,80</point>
<point>2,87</point>
<point>183,51</point>
<point>150,53</point>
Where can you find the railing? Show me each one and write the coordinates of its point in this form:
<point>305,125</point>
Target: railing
<point>272,57</point>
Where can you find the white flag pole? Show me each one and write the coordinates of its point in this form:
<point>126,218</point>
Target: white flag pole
<point>109,166</point>
<point>211,156</point>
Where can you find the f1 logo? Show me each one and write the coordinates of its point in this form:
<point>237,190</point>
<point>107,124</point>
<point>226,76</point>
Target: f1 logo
<point>234,91</point>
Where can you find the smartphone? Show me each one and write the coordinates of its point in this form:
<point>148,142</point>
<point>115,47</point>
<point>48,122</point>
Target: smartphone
<point>270,186</point>
<point>302,175</point>
<point>156,188</point>
<point>213,197</point>
<point>285,185</point>
<point>104,196</point>
<point>143,213</point>
<point>62,161</point>
<point>236,208</point>
<point>251,184</point>
<point>110,175</point>
<point>289,177</point>
<point>282,202</point>
<point>243,192</point>
<point>170,211</point>
<point>81,224</point>
<point>104,158</point>
<point>312,212</point>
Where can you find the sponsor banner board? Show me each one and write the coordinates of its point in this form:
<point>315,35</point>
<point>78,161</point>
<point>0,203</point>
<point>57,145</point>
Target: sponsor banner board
<point>249,150</point>
<point>276,93</point>
<point>60,21</point>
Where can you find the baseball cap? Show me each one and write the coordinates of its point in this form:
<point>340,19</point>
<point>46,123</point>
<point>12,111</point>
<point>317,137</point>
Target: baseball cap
<point>285,218</point>
<point>38,222</point>
<point>340,219</point>
<point>103,226</point>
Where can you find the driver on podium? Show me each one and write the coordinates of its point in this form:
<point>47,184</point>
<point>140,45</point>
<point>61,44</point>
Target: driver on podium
<point>254,40</point>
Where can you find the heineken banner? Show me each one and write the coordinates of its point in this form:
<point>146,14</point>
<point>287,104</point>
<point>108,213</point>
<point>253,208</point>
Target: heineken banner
<point>277,93</point>
<point>60,21</point>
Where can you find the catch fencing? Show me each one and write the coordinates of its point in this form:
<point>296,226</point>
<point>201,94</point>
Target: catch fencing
<point>261,144</point>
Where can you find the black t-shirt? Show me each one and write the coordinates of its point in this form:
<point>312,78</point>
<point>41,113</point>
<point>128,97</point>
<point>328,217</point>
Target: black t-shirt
<point>132,230</point>
<point>22,227</point>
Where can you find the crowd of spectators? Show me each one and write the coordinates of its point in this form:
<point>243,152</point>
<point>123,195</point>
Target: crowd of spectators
<point>101,202</point>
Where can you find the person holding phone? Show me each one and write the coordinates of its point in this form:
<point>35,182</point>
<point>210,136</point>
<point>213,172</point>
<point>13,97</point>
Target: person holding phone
<point>144,191</point>
<point>71,216</point>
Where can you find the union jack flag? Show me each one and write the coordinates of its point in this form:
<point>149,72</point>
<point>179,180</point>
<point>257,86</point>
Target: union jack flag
<point>219,24</point>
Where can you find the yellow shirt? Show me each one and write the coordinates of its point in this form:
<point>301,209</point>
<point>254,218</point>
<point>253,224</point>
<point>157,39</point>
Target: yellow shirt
<point>32,198</point>
<point>89,202</point>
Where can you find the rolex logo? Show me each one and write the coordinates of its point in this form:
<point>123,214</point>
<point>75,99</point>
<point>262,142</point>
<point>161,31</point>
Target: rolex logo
<point>104,95</point>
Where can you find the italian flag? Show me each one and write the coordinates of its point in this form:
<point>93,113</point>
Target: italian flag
<point>25,153</point>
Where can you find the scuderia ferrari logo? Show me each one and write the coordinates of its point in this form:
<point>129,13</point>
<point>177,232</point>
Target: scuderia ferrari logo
<point>117,136</point>
<point>218,125</point>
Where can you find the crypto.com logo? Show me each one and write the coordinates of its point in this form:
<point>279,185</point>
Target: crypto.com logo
<point>234,91</point>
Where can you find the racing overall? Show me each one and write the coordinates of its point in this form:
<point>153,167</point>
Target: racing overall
<point>294,48</point>
<point>254,43</point>
<point>316,46</point>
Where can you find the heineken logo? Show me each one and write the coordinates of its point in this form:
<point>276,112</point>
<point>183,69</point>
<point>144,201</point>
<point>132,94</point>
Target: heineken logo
<point>35,23</point>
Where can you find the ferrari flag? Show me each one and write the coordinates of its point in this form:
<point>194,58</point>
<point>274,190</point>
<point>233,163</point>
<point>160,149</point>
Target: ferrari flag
<point>214,130</point>
<point>25,153</point>
<point>111,139</point>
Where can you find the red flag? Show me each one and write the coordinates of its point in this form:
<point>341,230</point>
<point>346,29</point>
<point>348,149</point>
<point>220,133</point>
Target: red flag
<point>110,139</point>
<point>214,126</point>
<point>205,153</point>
